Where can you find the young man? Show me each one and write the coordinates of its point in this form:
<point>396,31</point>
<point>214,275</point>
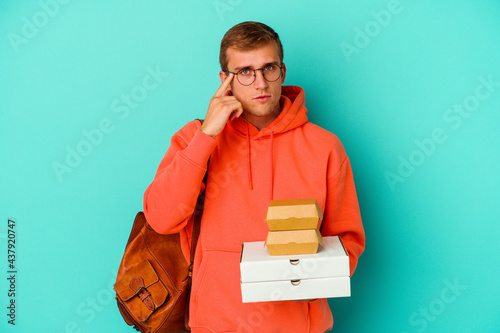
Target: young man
<point>261,148</point>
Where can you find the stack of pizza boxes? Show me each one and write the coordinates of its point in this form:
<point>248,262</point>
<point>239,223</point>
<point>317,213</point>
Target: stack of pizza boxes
<point>295,262</point>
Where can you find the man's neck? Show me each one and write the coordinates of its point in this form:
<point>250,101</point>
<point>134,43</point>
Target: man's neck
<point>262,121</point>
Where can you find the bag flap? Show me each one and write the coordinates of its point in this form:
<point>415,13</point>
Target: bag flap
<point>141,291</point>
<point>141,275</point>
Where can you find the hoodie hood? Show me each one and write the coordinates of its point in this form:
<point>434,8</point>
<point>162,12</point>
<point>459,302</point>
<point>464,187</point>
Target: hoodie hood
<point>293,114</point>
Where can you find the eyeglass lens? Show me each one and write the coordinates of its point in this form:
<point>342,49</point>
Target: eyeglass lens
<point>246,76</point>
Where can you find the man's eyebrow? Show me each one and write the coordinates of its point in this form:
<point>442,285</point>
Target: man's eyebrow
<point>247,66</point>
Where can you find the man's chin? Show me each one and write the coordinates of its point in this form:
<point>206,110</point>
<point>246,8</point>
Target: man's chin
<point>263,110</point>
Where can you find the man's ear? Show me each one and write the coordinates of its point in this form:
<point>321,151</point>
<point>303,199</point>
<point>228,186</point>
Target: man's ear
<point>223,77</point>
<point>283,73</point>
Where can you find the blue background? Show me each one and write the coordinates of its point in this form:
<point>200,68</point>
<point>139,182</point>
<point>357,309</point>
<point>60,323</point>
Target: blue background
<point>65,67</point>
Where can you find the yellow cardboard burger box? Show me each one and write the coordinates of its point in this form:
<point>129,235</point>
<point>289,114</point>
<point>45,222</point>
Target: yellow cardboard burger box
<point>289,242</point>
<point>324,274</point>
<point>296,214</point>
<point>293,227</point>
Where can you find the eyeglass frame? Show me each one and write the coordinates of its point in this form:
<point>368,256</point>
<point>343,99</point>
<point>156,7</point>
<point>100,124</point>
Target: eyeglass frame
<point>255,73</point>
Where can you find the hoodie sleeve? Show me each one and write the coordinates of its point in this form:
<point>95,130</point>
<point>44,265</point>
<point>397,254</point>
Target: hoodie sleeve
<point>342,216</point>
<point>170,200</point>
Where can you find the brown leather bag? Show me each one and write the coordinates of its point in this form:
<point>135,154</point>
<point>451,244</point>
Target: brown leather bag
<point>154,279</point>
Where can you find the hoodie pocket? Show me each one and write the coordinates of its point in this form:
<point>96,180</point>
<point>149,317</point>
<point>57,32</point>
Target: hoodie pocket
<point>217,296</point>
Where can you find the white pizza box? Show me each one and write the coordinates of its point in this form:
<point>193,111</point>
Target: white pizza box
<point>257,265</point>
<point>295,289</point>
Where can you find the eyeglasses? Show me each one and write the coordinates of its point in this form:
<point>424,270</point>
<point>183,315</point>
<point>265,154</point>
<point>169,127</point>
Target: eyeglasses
<point>246,76</point>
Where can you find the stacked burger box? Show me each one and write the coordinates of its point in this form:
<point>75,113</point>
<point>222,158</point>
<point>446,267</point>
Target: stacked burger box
<point>295,262</point>
<point>293,227</point>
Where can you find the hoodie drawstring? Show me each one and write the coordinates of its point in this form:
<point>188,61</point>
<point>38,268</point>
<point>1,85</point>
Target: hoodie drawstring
<point>250,183</point>
<point>249,156</point>
<point>271,165</point>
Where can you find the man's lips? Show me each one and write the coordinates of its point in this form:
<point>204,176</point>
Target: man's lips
<point>262,98</point>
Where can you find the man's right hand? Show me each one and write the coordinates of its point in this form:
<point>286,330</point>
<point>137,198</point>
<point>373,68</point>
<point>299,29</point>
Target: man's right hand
<point>220,109</point>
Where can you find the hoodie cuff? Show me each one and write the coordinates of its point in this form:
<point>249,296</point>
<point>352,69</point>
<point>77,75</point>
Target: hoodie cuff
<point>199,149</point>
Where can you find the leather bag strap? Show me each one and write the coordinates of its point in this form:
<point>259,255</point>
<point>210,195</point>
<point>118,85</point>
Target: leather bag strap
<point>198,212</point>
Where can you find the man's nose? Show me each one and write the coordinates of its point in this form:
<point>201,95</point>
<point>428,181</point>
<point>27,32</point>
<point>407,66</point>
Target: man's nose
<point>260,81</point>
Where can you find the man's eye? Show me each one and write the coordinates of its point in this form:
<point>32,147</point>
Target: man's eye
<point>269,68</point>
<point>245,71</point>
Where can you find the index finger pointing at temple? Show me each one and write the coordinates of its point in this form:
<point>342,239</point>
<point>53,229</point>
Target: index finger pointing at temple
<point>222,89</point>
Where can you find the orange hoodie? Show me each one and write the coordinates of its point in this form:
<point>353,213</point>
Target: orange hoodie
<point>289,159</point>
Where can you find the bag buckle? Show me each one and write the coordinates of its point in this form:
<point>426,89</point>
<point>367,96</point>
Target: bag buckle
<point>137,285</point>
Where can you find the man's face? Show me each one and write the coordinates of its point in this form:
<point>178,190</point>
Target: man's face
<point>260,100</point>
